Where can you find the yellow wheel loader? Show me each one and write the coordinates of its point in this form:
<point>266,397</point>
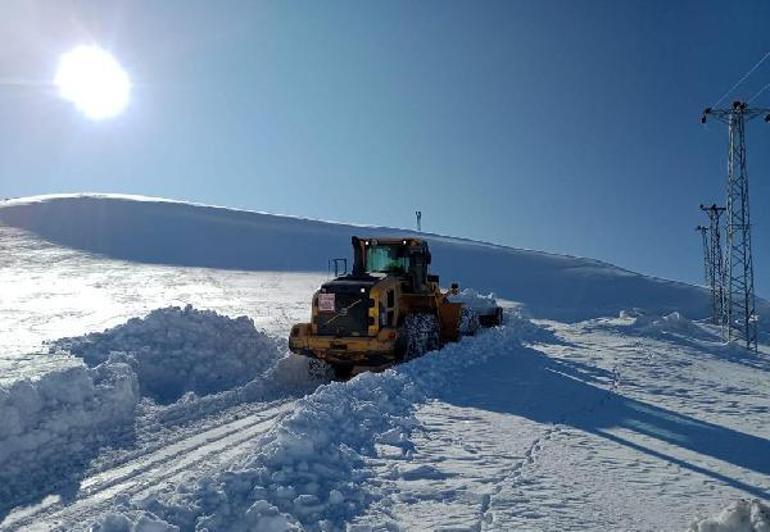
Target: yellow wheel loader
<point>387,310</point>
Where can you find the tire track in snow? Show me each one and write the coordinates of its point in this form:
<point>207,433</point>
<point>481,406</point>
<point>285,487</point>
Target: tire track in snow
<point>149,473</point>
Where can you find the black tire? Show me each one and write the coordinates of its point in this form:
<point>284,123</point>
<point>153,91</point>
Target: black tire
<point>419,334</point>
<point>469,322</point>
<point>319,370</point>
<point>342,372</point>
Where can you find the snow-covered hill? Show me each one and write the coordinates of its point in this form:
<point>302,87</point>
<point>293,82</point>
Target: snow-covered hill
<point>162,232</point>
<point>604,403</point>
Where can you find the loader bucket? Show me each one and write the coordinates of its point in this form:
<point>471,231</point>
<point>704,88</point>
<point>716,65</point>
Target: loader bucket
<point>449,321</point>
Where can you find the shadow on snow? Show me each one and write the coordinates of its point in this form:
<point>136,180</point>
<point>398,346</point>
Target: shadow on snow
<point>527,383</point>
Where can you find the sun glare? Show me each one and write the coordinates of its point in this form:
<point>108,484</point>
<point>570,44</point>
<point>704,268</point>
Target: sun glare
<point>93,80</point>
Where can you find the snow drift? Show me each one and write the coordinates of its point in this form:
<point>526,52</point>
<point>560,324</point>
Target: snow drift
<point>50,424</point>
<point>674,323</point>
<point>163,232</point>
<point>174,351</point>
<point>740,516</point>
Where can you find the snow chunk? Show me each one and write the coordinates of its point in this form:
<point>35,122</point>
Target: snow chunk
<point>674,323</point>
<point>740,516</point>
<point>174,351</point>
<point>49,425</point>
<point>481,304</point>
<point>138,521</point>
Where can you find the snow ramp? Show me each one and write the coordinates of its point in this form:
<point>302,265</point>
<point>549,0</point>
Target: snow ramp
<point>158,231</point>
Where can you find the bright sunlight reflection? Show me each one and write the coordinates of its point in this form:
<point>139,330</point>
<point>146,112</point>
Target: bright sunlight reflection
<point>93,81</point>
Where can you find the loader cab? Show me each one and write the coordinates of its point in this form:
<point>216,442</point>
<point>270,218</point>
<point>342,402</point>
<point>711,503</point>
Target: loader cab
<point>407,257</point>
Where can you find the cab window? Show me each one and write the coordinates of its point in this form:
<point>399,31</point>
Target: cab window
<point>386,259</point>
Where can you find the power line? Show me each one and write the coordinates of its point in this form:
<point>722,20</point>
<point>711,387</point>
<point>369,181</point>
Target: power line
<point>744,78</point>
<point>760,91</point>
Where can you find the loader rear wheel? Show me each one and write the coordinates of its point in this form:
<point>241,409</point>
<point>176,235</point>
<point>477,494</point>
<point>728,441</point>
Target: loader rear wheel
<point>419,334</point>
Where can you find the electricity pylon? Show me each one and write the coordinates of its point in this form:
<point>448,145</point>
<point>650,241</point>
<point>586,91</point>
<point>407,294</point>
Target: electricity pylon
<point>715,260</point>
<point>739,302</point>
<point>703,230</point>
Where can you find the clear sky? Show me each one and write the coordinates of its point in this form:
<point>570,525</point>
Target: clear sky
<point>563,126</point>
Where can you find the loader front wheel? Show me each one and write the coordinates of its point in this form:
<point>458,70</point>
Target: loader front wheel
<point>469,322</point>
<point>419,334</point>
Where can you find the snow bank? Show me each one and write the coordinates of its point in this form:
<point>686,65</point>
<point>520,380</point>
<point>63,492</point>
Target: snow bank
<point>310,469</point>
<point>741,516</point>
<point>174,351</point>
<point>50,424</point>
<point>673,323</point>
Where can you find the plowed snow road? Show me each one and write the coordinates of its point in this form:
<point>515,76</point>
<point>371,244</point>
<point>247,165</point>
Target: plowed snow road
<point>210,450</point>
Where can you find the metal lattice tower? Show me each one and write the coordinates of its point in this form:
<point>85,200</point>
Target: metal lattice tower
<point>739,310</point>
<point>715,261</point>
<point>703,230</point>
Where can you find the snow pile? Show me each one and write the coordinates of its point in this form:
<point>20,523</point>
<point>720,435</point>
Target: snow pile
<point>311,468</point>
<point>674,323</point>
<point>481,304</point>
<point>133,521</point>
<point>50,424</point>
<point>741,516</point>
<point>174,351</point>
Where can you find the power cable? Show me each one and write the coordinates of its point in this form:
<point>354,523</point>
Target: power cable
<point>744,78</point>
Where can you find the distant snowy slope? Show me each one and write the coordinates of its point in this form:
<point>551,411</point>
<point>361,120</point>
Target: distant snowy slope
<point>165,232</point>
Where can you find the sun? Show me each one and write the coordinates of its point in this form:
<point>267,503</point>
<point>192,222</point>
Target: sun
<point>93,80</point>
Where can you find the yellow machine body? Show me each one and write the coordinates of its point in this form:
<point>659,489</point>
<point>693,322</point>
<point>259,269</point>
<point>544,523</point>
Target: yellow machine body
<point>357,319</point>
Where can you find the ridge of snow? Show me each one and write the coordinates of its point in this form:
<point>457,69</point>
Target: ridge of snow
<point>50,423</point>
<point>142,229</point>
<point>43,198</point>
<point>194,361</point>
<point>174,351</point>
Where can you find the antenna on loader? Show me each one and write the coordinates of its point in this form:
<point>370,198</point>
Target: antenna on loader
<point>418,214</point>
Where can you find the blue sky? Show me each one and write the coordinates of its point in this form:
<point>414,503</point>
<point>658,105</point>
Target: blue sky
<point>563,126</point>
